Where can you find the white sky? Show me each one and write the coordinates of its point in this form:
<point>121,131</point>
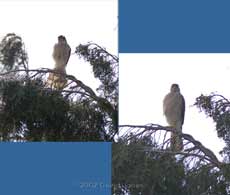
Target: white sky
<point>39,23</point>
<point>146,78</point>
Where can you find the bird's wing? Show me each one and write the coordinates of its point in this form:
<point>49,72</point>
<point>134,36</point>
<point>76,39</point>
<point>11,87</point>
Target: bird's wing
<point>69,53</point>
<point>182,109</point>
<point>56,51</point>
<point>165,103</point>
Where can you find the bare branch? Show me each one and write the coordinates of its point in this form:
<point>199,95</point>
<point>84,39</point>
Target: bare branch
<point>193,147</point>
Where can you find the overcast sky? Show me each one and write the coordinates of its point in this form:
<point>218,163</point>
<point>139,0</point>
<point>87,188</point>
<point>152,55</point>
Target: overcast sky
<point>39,23</point>
<point>146,78</point>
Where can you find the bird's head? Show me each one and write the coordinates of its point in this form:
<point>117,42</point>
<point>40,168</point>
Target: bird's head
<point>61,39</point>
<point>175,88</point>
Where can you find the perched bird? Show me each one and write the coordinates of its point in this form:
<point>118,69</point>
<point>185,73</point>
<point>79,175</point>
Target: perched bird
<point>174,111</point>
<point>61,55</point>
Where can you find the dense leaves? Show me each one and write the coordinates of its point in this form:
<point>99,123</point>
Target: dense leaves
<point>30,112</point>
<point>105,68</point>
<point>12,52</point>
<point>137,171</point>
<point>218,108</point>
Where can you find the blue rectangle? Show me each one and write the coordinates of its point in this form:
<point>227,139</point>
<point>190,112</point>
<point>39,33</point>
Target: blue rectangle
<point>55,168</point>
<point>174,26</point>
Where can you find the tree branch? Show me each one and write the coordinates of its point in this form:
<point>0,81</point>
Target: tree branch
<point>103,103</point>
<point>153,128</point>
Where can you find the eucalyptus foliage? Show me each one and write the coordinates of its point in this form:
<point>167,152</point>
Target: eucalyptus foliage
<point>138,171</point>
<point>217,107</point>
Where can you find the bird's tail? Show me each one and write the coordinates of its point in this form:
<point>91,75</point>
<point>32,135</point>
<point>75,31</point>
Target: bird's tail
<point>176,139</point>
<point>57,81</point>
